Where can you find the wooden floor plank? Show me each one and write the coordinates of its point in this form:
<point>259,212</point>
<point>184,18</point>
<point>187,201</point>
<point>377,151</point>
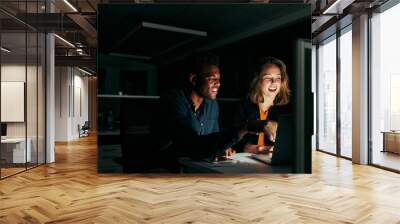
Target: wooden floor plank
<point>71,191</point>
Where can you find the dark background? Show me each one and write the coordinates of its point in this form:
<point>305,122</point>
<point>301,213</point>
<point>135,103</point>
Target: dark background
<point>134,60</point>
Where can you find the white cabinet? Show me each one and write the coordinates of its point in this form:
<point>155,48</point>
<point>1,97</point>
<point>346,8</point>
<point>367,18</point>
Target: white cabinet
<point>17,146</point>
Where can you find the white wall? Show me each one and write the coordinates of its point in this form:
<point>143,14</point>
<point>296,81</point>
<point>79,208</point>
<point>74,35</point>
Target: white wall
<point>16,72</point>
<point>61,103</point>
<point>71,94</point>
<point>33,127</point>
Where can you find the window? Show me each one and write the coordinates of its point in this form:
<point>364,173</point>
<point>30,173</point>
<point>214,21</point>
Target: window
<point>345,92</point>
<point>385,87</point>
<point>327,96</point>
<point>313,89</point>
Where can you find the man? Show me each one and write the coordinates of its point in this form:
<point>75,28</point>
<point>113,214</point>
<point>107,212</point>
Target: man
<point>187,124</point>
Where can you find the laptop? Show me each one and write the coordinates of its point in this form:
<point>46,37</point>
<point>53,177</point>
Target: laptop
<point>283,152</point>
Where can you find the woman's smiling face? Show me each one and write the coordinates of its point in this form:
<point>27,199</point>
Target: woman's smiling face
<point>271,80</point>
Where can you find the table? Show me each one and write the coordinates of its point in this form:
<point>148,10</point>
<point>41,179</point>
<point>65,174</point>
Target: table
<point>13,150</point>
<point>240,163</point>
<point>391,141</point>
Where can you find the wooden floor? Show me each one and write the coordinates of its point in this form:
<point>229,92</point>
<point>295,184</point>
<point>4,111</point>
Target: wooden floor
<point>386,159</point>
<point>10,171</point>
<point>71,191</point>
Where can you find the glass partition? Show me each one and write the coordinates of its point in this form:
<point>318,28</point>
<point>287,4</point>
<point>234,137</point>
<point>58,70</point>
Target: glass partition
<point>22,91</point>
<point>14,154</point>
<point>31,100</point>
<point>41,96</point>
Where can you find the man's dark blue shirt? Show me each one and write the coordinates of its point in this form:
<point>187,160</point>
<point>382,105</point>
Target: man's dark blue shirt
<point>203,121</point>
<point>182,131</point>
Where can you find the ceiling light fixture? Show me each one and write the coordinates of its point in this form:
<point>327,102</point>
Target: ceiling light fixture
<point>64,40</point>
<point>337,7</point>
<point>70,5</point>
<point>326,11</point>
<point>84,71</point>
<point>5,50</point>
<point>133,56</point>
<point>174,29</point>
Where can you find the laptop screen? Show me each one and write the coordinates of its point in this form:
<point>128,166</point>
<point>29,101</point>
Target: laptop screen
<point>283,149</point>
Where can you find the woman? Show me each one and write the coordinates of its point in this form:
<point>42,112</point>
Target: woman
<point>269,92</point>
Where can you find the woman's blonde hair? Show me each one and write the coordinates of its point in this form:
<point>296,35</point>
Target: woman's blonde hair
<point>255,93</point>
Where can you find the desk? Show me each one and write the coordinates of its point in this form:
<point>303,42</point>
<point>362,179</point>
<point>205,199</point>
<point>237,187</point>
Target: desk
<point>391,141</point>
<point>240,163</point>
<point>13,150</point>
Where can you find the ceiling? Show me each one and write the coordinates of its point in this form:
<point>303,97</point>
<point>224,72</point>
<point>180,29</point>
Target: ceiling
<point>163,31</point>
<point>80,26</point>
